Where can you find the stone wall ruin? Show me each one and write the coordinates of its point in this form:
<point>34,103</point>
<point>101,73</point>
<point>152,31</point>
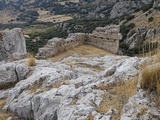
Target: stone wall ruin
<point>102,37</point>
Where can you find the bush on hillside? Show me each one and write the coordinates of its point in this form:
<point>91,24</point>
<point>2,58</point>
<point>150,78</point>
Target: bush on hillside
<point>130,17</point>
<point>146,7</point>
<point>124,29</point>
<point>150,19</point>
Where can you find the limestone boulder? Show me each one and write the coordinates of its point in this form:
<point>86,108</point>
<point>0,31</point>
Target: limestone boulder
<point>11,73</point>
<point>7,75</point>
<point>12,44</point>
<point>22,70</point>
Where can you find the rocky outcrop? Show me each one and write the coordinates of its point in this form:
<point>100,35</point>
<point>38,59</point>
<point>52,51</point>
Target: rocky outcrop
<point>11,73</point>
<point>126,7</point>
<point>136,37</point>
<point>103,37</point>
<point>12,44</point>
<point>58,91</point>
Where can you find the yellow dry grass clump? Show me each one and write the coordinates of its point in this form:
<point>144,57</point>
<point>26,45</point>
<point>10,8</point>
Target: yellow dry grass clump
<point>151,78</point>
<point>90,117</point>
<point>117,96</point>
<point>31,60</point>
<point>158,56</point>
<point>85,50</point>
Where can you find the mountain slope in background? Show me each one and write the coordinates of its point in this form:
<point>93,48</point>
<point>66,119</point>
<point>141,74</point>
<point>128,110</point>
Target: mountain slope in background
<point>32,10</point>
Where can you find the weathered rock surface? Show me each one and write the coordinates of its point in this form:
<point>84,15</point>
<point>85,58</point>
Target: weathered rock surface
<point>125,7</point>
<point>59,91</point>
<point>12,44</point>
<point>136,37</point>
<point>11,73</point>
<point>140,107</point>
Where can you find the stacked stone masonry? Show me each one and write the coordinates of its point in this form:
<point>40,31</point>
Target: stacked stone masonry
<point>102,37</point>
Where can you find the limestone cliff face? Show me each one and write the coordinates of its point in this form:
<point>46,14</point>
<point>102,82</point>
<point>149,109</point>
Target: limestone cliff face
<point>12,44</point>
<point>136,37</point>
<point>126,7</point>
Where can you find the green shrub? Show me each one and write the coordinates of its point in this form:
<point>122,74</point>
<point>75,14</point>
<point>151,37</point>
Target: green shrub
<point>147,7</point>
<point>130,17</point>
<point>125,29</point>
<point>150,19</point>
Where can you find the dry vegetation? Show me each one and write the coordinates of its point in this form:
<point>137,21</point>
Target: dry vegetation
<point>63,2</point>
<point>90,117</point>
<point>31,61</point>
<point>5,115</point>
<point>45,16</point>
<point>117,96</point>
<point>150,81</point>
<point>85,50</point>
<point>141,19</point>
<point>151,78</point>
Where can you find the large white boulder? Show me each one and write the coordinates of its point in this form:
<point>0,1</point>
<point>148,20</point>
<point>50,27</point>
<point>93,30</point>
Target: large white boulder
<point>12,44</point>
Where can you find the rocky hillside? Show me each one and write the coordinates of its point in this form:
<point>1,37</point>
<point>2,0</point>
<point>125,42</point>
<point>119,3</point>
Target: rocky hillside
<point>82,83</point>
<point>28,11</point>
<point>88,84</point>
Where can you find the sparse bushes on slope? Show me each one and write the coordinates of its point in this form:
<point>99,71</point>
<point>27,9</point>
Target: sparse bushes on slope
<point>130,17</point>
<point>146,7</point>
<point>150,19</point>
<point>124,29</point>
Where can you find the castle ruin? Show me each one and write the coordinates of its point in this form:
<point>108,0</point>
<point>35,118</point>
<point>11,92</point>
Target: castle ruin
<point>102,37</point>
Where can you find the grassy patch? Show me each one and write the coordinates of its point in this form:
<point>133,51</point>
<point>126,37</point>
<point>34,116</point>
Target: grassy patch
<point>83,50</point>
<point>118,97</point>
<point>151,79</point>
<point>31,61</point>
<point>90,117</point>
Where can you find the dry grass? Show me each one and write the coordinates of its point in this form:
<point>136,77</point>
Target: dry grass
<point>158,56</point>
<point>141,19</point>
<point>151,78</point>
<point>90,117</point>
<point>83,50</point>
<point>46,16</point>
<point>74,101</point>
<point>95,67</point>
<point>56,84</point>
<point>69,63</point>
<point>35,87</point>
<point>142,110</point>
<point>5,115</point>
<point>118,97</point>
<point>31,61</point>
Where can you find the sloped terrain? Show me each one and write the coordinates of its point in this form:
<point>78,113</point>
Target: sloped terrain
<point>101,87</point>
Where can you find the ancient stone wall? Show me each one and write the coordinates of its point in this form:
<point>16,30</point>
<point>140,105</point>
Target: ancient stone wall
<point>12,44</point>
<point>57,45</point>
<point>106,37</point>
<point>103,37</point>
